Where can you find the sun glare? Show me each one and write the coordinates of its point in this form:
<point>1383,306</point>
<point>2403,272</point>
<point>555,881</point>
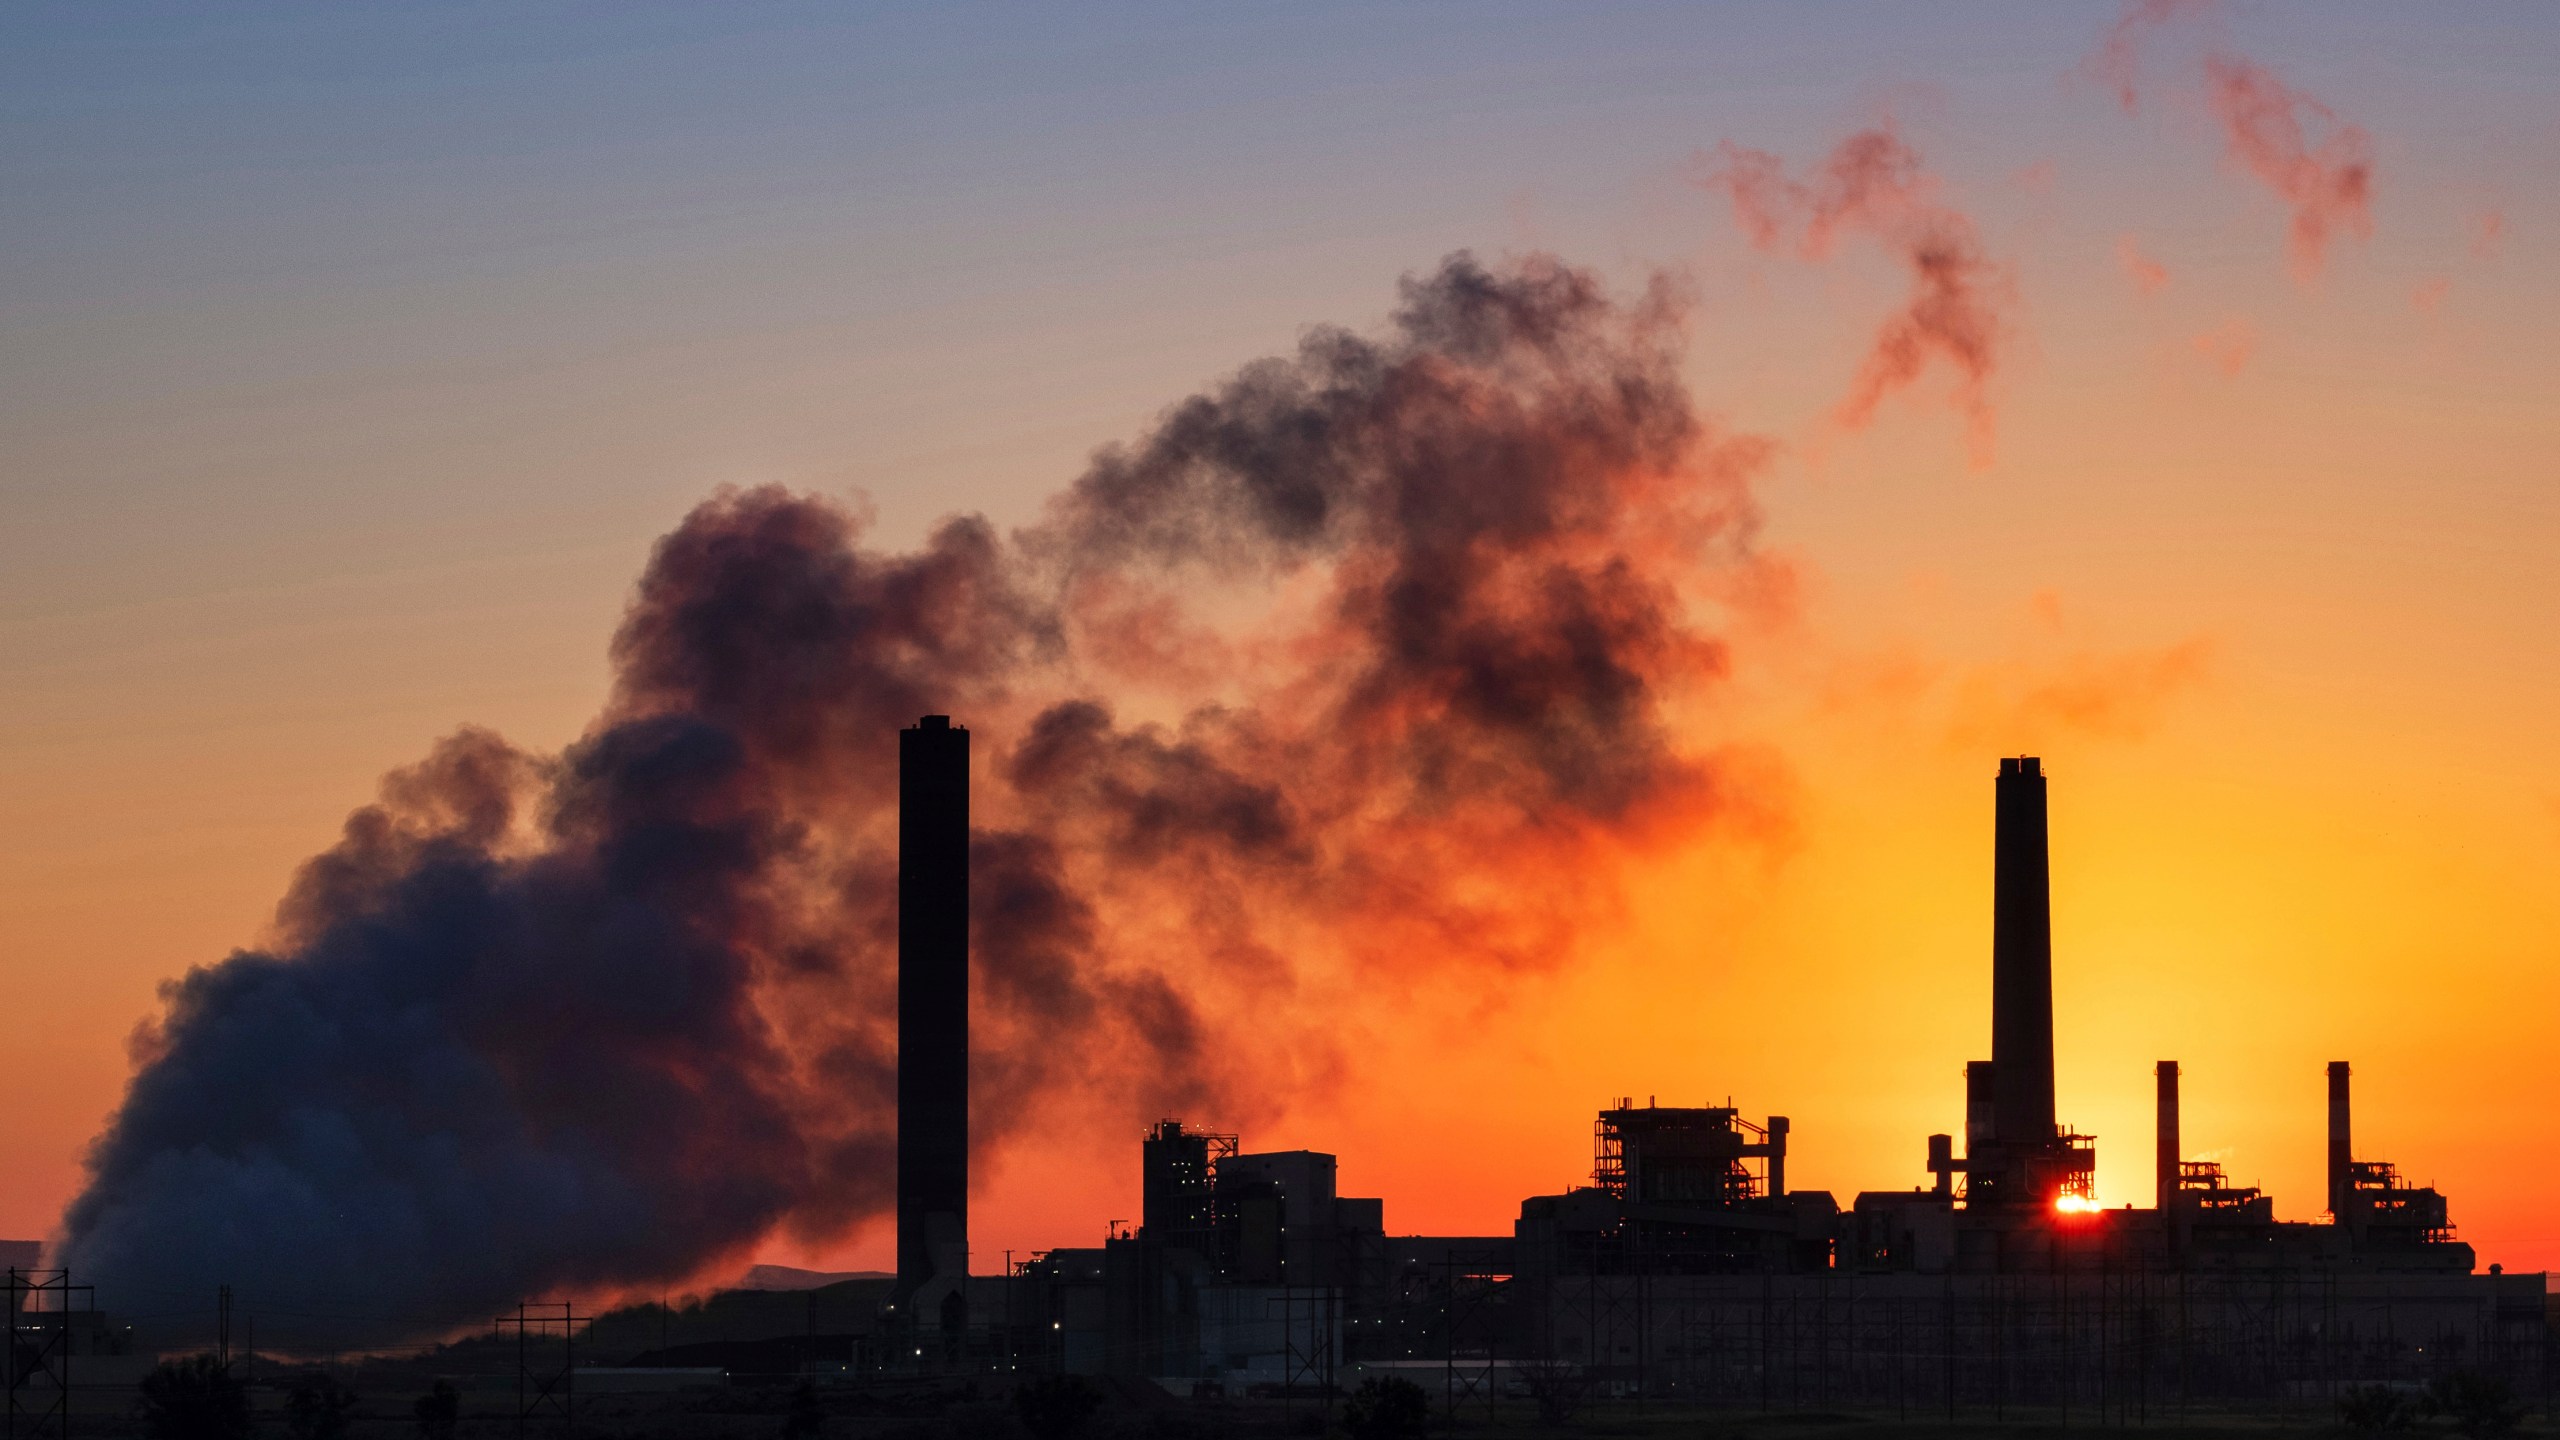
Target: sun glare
<point>2074,1205</point>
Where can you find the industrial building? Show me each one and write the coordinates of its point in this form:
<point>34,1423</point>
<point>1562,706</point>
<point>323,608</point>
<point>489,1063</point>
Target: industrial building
<point>1688,1267</point>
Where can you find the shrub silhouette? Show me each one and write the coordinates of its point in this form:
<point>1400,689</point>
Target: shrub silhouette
<point>2375,1408</point>
<point>439,1412</point>
<point>317,1407</point>
<point>1392,1408</point>
<point>807,1415</point>
<point>194,1399</point>
<point>1054,1407</point>
<point>1558,1387</point>
<point>2477,1404</point>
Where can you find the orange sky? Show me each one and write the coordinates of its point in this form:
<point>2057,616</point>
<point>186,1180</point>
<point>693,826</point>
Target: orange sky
<point>2261,562</point>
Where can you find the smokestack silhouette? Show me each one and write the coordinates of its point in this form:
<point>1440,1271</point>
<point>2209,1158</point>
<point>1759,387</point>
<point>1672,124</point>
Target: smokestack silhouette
<point>933,1013</point>
<point>2021,961</point>
<point>2165,1179</point>
<point>2341,1148</point>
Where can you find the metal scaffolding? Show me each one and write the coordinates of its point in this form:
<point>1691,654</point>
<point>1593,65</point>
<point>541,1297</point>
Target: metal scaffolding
<point>37,1368</point>
<point>543,1387</point>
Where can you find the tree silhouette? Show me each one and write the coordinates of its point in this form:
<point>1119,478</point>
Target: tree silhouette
<point>439,1412</point>
<point>317,1407</point>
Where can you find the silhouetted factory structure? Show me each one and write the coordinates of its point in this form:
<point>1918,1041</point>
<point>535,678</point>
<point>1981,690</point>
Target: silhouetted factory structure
<point>933,1022</point>
<point>1688,1266</point>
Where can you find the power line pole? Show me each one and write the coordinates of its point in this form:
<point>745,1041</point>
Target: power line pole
<point>35,1363</point>
<point>540,1388</point>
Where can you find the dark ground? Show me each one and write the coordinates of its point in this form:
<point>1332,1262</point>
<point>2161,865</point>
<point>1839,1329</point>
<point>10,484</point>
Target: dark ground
<point>1138,1411</point>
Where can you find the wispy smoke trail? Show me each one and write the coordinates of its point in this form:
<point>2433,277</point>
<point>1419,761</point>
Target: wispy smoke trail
<point>1405,620</point>
<point>2488,234</point>
<point>2149,276</point>
<point>2327,184</point>
<point>2117,62</point>
<point>2318,165</point>
<point>2229,345</point>
<point>1875,183</point>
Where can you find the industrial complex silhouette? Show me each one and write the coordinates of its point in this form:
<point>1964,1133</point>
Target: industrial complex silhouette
<point>1687,1269</point>
<point>1687,1265</point>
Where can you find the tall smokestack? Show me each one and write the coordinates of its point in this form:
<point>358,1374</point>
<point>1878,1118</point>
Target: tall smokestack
<point>933,1015</point>
<point>2021,960</point>
<point>2341,1148</point>
<point>2165,1178</point>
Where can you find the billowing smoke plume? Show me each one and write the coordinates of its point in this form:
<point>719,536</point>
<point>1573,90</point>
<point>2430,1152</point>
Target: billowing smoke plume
<point>1399,631</point>
<point>1874,183</point>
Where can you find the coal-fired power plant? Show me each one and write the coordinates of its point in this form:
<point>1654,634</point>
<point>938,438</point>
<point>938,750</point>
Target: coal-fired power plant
<point>933,1023</point>
<point>1689,1267</point>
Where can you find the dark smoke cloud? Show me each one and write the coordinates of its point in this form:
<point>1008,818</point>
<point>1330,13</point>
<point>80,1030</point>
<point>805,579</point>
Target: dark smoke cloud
<point>596,1021</point>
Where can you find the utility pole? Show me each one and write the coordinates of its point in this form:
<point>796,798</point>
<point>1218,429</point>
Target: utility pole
<point>35,1352</point>
<point>541,1389</point>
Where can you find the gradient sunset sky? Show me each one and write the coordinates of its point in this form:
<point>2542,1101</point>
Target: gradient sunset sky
<point>355,355</point>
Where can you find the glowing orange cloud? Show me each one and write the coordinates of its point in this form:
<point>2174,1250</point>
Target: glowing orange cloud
<point>2051,685</point>
<point>1874,183</point>
<point>2149,275</point>
<point>2488,234</point>
<point>2428,297</point>
<point>2116,694</point>
<point>2229,345</point>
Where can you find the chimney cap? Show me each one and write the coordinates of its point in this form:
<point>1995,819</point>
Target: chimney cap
<point>933,722</point>
<point>2021,765</point>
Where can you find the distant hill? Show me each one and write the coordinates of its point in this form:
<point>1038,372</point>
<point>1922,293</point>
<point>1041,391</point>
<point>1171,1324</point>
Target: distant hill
<point>786,1277</point>
<point>816,1305</point>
